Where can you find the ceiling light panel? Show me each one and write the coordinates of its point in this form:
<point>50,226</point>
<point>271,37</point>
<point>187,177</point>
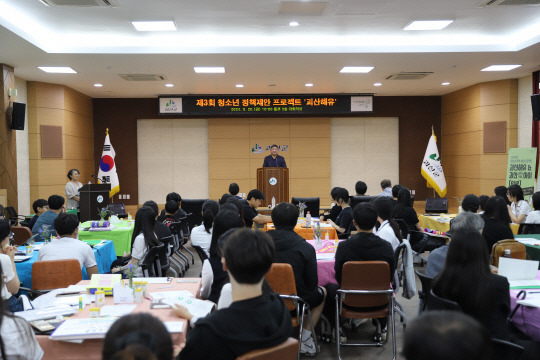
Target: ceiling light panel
<point>57,69</point>
<point>209,69</point>
<point>356,69</point>
<point>428,25</point>
<point>500,67</point>
<point>154,25</point>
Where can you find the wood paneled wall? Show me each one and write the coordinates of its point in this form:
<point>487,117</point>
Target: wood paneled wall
<point>467,169</point>
<point>57,105</point>
<point>8,145</point>
<point>307,154</point>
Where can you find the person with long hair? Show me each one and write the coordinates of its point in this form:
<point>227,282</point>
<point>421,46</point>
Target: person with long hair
<point>519,208</point>
<point>404,210</point>
<point>202,235</point>
<point>213,275</point>
<point>17,340</point>
<point>335,210</point>
<point>496,222</point>
<point>387,228</point>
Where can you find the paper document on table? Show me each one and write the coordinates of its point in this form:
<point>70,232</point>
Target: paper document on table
<point>520,273</point>
<point>73,329</point>
<point>174,326</point>
<point>329,256</point>
<point>197,308</point>
<point>116,310</point>
<point>524,284</point>
<point>171,294</point>
<point>532,299</point>
<point>528,241</point>
<point>155,280</point>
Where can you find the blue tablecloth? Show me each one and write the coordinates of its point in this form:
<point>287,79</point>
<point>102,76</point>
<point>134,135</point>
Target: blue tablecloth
<point>104,254</point>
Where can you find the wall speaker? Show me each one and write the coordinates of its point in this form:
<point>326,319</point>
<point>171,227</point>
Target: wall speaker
<point>17,116</point>
<point>535,102</point>
<point>436,205</point>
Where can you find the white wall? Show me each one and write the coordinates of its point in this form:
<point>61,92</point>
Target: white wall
<point>524,111</point>
<point>172,156</point>
<point>364,149</point>
<point>23,164</point>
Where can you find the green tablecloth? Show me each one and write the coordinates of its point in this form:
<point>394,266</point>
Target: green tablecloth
<point>121,236</point>
<point>533,251</point>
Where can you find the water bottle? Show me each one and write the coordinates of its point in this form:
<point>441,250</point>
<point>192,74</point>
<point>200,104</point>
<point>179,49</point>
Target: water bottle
<point>507,253</point>
<point>308,220</point>
<point>273,202</point>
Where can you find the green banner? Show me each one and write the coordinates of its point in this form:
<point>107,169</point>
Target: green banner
<point>522,169</point>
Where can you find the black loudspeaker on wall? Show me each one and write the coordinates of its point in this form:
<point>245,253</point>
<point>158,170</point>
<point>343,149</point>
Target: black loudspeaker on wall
<point>535,102</point>
<point>17,116</point>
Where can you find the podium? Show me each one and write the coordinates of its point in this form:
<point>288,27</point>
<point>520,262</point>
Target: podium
<point>93,198</point>
<point>273,182</point>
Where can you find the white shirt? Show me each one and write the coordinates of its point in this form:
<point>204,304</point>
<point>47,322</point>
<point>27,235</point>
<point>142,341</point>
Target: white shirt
<point>533,217</point>
<point>139,252</point>
<point>386,232</point>
<point>72,190</point>
<point>19,340</point>
<point>521,208</point>
<point>207,278</point>
<point>225,299</point>
<point>68,248</point>
<point>7,269</point>
<point>199,237</point>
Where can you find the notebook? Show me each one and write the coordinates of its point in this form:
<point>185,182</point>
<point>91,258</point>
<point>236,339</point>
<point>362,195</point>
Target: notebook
<point>521,274</point>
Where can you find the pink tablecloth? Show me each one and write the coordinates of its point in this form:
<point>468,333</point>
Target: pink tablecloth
<point>325,268</point>
<point>527,318</point>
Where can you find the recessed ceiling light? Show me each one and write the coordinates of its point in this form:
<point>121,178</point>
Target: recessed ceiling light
<point>428,25</point>
<point>377,84</point>
<point>309,84</point>
<point>294,23</point>
<point>169,85</point>
<point>98,85</point>
<point>154,25</point>
<point>209,69</point>
<point>57,69</point>
<point>239,85</point>
<point>500,67</point>
<point>356,69</point>
<point>445,83</point>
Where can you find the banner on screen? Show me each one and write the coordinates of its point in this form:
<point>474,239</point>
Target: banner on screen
<point>521,169</point>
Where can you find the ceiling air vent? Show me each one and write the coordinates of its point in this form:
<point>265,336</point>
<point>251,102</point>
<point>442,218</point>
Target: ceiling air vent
<point>142,77</point>
<point>80,3</point>
<point>408,76</point>
<point>509,2</point>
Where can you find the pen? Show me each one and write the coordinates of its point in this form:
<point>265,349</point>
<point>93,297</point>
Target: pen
<point>533,292</point>
<point>165,287</point>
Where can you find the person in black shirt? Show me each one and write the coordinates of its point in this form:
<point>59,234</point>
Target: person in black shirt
<point>334,211</point>
<point>39,206</point>
<point>251,215</point>
<point>274,160</point>
<point>344,219</point>
<point>496,222</point>
<point>161,230</point>
<point>179,216</point>
<point>361,188</point>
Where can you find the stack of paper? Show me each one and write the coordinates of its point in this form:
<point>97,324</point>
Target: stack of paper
<point>197,308</point>
<point>76,329</point>
<point>521,274</point>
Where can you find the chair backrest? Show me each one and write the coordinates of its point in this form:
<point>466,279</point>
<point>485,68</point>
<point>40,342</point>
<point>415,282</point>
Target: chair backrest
<point>193,206</point>
<point>426,287</point>
<point>365,275</point>
<point>11,215</point>
<point>152,265</point>
<point>118,209</point>
<point>287,350</point>
<point>436,205</point>
<point>54,274</point>
<point>21,234</point>
<point>435,302</point>
<point>505,350</point>
<point>403,228</point>
<point>355,200</point>
<point>280,277</point>
<point>525,228</point>
<point>517,250</point>
<point>313,205</point>
<point>200,252</point>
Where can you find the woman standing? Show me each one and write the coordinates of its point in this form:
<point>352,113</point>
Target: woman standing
<point>72,189</point>
<point>519,209</point>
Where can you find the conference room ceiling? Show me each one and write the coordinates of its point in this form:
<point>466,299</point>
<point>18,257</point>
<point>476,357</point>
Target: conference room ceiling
<point>252,39</point>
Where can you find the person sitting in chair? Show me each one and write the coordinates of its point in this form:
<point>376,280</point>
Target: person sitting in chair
<point>344,219</point>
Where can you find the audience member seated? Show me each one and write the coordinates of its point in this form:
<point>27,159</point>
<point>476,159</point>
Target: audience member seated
<point>437,258</point>
<point>213,274</point>
<point>292,249</point>
<point>181,214</point>
<point>446,335</point>
<point>502,191</point>
<point>224,199</point>
<point>251,215</point>
<point>519,208</point>
<point>239,203</point>
<point>39,206</point>
<point>137,336</point>
<point>334,210</point>
<point>17,339</point>
<point>386,186</point>
<point>171,212</point>
<point>143,239</point>
<point>10,284</point>
<point>467,280</point>
<point>387,229</point>
<point>202,235</point>
<point>404,211</point>
<point>364,246</point>
<point>344,219</point>
<point>162,230</point>
<point>68,245</point>
<point>234,189</point>
<point>395,193</point>
<point>254,320</point>
<point>496,222</point>
<point>482,200</point>
<point>534,215</point>
<point>361,188</point>
<point>56,206</point>
<point>470,203</point>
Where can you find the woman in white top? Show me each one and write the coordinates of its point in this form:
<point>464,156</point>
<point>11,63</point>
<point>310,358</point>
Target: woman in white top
<point>202,235</point>
<point>388,229</point>
<point>72,189</point>
<point>10,283</point>
<point>534,216</point>
<point>519,209</point>
<point>17,340</point>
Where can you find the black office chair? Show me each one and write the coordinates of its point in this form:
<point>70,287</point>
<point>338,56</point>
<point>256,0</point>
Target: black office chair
<point>505,350</point>
<point>525,228</point>
<point>194,208</point>
<point>403,228</point>
<point>355,200</point>
<point>11,215</point>
<point>151,266</point>
<point>313,205</point>
<point>435,302</point>
<point>118,209</point>
<point>423,293</point>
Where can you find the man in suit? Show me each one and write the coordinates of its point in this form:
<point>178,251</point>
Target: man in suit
<point>274,160</point>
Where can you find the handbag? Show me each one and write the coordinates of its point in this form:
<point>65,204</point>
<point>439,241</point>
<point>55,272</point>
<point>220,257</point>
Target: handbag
<point>517,250</point>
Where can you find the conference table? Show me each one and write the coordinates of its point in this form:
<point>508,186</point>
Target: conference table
<point>91,349</point>
<point>325,261</point>
<point>103,251</point>
<point>527,318</point>
<point>533,250</point>
<point>307,233</point>
<point>120,235</point>
<point>442,223</point>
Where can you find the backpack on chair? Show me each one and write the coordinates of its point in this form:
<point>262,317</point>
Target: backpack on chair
<point>517,250</point>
